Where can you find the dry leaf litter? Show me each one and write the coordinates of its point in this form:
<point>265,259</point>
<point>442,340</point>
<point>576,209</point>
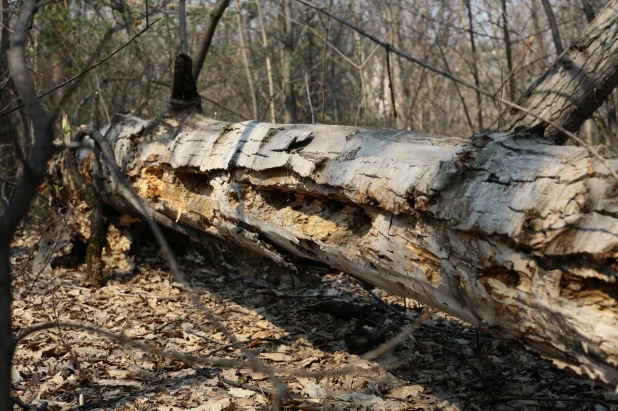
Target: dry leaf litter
<point>304,322</point>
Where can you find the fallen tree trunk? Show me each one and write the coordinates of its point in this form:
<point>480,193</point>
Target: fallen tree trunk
<point>504,230</point>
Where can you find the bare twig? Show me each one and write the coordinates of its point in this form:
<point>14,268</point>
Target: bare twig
<point>266,109</point>
<point>519,62</point>
<point>396,340</point>
<point>106,152</point>
<point>461,97</point>
<point>77,76</point>
<point>309,98</point>
<point>223,106</point>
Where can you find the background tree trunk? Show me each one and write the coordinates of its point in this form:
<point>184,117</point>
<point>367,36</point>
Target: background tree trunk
<point>553,25</point>
<point>505,231</point>
<point>475,69</point>
<point>245,59</point>
<point>578,82</point>
<point>289,115</point>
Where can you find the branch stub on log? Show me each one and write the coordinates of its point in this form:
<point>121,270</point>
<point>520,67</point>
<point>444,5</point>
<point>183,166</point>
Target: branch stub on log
<point>184,91</point>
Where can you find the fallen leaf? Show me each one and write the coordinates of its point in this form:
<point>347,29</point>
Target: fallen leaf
<point>407,391</point>
<point>308,361</point>
<point>314,390</point>
<point>223,404</point>
<point>240,392</point>
<point>276,356</point>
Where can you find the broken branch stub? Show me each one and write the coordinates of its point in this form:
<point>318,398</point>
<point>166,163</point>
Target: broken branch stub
<point>504,229</point>
<point>184,90</point>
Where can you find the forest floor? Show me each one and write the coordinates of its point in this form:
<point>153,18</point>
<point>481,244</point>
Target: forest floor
<point>318,322</point>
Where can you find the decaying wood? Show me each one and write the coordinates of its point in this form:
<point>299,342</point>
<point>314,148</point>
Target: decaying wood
<point>505,230</point>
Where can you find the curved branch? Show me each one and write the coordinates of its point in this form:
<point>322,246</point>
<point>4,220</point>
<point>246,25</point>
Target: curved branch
<point>213,362</point>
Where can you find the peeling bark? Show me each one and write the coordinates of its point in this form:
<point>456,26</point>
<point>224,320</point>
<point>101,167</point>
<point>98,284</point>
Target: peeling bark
<point>506,230</point>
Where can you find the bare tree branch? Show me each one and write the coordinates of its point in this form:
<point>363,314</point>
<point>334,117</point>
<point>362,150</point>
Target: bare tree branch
<point>555,32</point>
<point>77,76</point>
<point>213,20</point>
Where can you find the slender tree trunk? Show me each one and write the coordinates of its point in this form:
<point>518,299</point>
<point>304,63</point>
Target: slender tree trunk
<point>245,59</point>
<point>289,115</point>
<point>213,20</point>
<point>475,68</point>
<point>269,69</point>
<point>509,52</point>
<point>402,95</point>
<point>555,31</point>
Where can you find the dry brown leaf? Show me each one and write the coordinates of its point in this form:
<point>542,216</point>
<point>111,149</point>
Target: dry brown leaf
<point>277,356</point>
<point>240,392</point>
<point>223,404</point>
